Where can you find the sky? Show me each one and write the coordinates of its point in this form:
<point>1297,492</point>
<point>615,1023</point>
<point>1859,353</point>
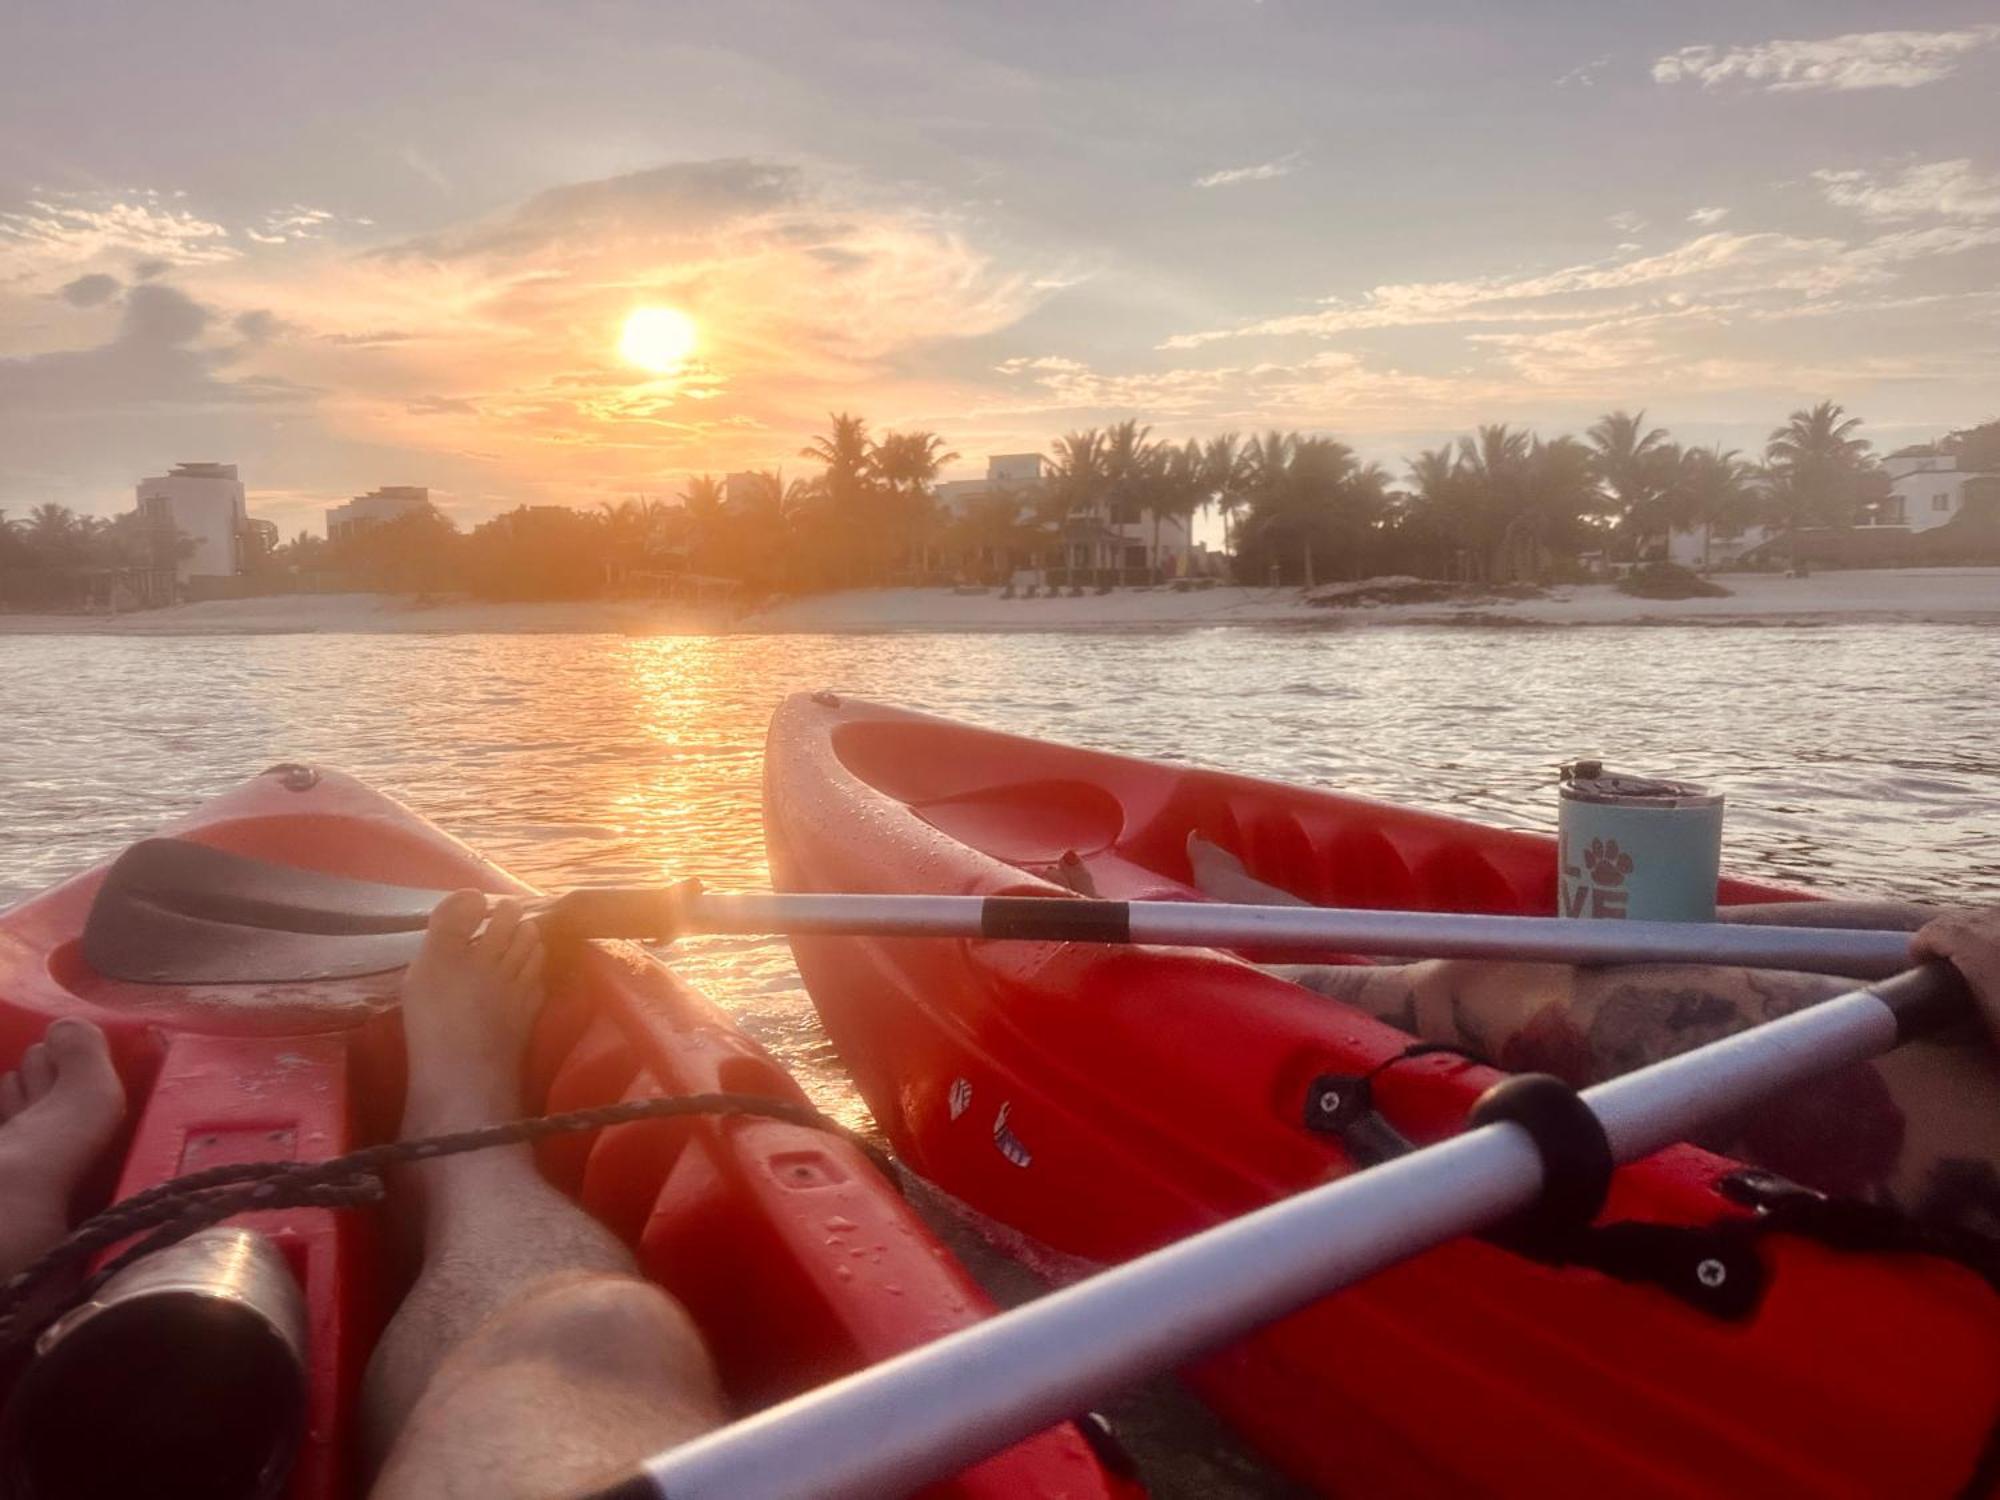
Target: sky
<point>365,244</point>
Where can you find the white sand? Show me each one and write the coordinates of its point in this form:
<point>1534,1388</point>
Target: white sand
<point>1915,594</point>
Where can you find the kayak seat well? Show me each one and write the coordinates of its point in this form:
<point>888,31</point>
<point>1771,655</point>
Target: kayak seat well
<point>1029,822</point>
<point>1389,860</point>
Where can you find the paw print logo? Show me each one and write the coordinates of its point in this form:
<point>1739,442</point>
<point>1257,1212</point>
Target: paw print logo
<point>1609,865</point>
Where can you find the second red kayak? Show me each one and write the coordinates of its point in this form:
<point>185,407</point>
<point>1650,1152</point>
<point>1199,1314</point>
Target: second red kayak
<point>1106,1100</point>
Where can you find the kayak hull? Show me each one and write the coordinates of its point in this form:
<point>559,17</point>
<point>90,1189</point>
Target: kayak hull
<point>1107,1100</point>
<point>796,1257</point>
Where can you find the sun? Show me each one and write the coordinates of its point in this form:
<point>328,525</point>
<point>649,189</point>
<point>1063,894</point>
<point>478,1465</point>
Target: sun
<point>659,339</point>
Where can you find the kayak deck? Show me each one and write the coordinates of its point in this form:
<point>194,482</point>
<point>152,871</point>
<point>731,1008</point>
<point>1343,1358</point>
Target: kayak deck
<point>796,1257</point>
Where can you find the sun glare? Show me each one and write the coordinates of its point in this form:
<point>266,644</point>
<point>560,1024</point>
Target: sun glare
<point>659,339</point>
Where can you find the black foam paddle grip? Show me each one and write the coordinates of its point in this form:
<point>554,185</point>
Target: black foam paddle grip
<point>1055,919</point>
<point>1925,999</point>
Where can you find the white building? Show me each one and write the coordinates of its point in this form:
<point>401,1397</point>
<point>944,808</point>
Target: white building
<point>1106,540</point>
<point>1711,547</point>
<point>390,503</point>
<point>1927,489</point>
<point>1016,473</point>
<point>204,502</point>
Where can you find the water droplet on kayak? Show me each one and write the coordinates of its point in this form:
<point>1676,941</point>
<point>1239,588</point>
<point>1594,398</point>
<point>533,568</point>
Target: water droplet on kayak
<point>840,1224</point>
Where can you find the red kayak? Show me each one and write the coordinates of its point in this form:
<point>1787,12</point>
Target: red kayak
<point>798,1259</point>
<point>1106,1100</point>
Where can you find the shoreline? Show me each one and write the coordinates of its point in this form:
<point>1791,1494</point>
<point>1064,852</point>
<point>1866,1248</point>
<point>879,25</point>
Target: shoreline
<point>1886,596</point>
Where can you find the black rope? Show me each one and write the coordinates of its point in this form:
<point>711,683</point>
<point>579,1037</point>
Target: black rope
<point>169,1212</point>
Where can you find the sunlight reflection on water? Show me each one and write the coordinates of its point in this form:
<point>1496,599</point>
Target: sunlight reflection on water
<point>1855,758</point>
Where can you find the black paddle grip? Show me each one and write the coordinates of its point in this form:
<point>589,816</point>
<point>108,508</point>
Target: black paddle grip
<point>1054,919</point>
<point>1925,999</point>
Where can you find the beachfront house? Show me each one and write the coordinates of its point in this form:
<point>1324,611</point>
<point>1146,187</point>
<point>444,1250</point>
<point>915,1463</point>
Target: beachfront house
<point>1927,488</point>
<point>1103,540</point>
<point>1710,546</point>
<point>203,502</point>
<point>391,502</point>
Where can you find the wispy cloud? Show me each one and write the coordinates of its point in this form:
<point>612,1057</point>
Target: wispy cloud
<point>1740,270</point>
<point>1283,166</point>
<point>1627,221</point>
<point>1708,218</point>
<point>1857,60</point>
<point>67,230</point>
<point>1584,75</point>
<point>1949,189</point>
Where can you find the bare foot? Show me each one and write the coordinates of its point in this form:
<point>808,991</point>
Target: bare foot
<point>469,1001</point>
<point>58,1111</point>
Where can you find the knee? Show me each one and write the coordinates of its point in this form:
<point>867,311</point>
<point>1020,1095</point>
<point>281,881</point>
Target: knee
<point>611,1326</point>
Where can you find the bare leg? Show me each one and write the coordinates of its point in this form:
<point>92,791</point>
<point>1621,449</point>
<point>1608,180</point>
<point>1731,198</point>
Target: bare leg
<point>529,1359</point>
<point>58,1111</point>
<point>1918,1128</point>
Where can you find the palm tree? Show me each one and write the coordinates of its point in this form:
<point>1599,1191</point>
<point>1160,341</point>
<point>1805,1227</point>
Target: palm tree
<point>1224,475</point>
<point>1077,480</point>
<point>53,531</point>
<point>1309,497</point>
<point>702,499</point>
<point>1712,488</point>
<point>1819,472</point>
<point>849,456</point>
<point>1635,465</point>
<point>909,463</point>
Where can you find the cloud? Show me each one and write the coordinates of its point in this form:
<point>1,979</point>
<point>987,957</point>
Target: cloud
<point>67,230</point>
<point>1626,222</point>
<point>1708,218</point>
<point>498,336</point>
<point>1584,75</point>
<point>258,325</point>
<point>1283,166</point>
<point>662,206</point>
<point>89,291</point>
<point>156,357</point>
<point>1858,60</point>
<point>1949,189</point>
<point>1716,269</point>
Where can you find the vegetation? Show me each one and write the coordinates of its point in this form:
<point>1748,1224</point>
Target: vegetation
<point>1500,506</point>
<point>1669,581</point>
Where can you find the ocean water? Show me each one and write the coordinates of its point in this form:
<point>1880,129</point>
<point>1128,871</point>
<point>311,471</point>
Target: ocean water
<point>1856,759</point>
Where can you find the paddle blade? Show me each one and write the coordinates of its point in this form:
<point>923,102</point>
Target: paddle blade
<point>171,911</point>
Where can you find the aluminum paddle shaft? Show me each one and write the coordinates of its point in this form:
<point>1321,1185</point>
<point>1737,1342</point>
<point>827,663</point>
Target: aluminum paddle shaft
<point>931,1412</point>
<point>681,910</point>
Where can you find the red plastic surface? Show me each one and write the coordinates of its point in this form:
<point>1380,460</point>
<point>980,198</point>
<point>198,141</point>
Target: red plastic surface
<point>797,1258</point>
<point>1107,1100</point>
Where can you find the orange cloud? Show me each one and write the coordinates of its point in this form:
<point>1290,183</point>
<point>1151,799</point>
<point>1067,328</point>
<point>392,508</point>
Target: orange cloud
<point>499,338</point>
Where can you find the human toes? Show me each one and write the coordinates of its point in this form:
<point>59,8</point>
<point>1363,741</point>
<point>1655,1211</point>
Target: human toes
<point>38,1071</point>
<point>502,923</point>
<point>523,948</point>
<point>13,1097</point>
<point>457,917</point>
<point>81,1059</point>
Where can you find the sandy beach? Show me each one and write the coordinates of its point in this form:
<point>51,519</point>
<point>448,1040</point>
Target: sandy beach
<point>1947,595</point>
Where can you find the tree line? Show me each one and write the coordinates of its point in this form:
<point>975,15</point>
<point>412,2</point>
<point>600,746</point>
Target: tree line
<point>1501,504</point>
